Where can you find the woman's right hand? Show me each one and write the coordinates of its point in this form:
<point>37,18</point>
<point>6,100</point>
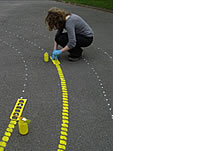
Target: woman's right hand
<point>55,53</point>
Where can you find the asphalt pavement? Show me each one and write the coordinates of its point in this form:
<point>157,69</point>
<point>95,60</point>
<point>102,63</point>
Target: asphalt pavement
<point>24,38</point>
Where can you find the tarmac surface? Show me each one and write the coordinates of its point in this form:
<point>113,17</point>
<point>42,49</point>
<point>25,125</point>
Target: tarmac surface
<point>24,38</point>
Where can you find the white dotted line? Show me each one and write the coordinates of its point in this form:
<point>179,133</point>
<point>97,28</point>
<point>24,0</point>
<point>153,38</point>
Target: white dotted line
<point>26,68</point>
<point>36,25</point>
<point>32,43</point>
<point>105,52</point>
<point>29,30</point>
<point>101,85</point>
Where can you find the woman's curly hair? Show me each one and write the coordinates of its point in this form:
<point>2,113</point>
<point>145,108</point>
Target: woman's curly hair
<point>56,18</point>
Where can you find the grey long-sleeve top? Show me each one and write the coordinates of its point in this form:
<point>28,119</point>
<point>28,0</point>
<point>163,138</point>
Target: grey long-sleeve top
<point>75,25</point>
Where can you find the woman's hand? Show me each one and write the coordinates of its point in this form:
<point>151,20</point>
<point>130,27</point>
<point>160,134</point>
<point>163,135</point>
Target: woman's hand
<point>55,53</point>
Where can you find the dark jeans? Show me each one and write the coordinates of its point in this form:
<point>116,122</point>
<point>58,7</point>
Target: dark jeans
<point>81,41</point>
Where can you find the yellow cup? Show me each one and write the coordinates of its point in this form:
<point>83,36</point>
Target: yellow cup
<point>46,57</point>
<point>23,127</point>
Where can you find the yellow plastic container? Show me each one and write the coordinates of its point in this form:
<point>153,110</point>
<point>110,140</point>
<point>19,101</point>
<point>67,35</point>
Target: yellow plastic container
<point>46,57</point>
<point>23,127</point>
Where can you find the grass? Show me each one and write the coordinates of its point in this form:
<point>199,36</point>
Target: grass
<point>106,4</point>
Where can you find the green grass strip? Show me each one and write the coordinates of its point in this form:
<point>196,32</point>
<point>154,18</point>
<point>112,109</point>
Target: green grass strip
<point>106,4</point>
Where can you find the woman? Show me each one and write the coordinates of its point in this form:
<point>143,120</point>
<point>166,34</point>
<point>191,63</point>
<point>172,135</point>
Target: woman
<point>79,33</point>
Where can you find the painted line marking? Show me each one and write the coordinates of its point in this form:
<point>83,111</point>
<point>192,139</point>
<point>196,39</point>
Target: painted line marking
<point>55,62</point>
<point>100,83</point>
<point>65,107</point>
